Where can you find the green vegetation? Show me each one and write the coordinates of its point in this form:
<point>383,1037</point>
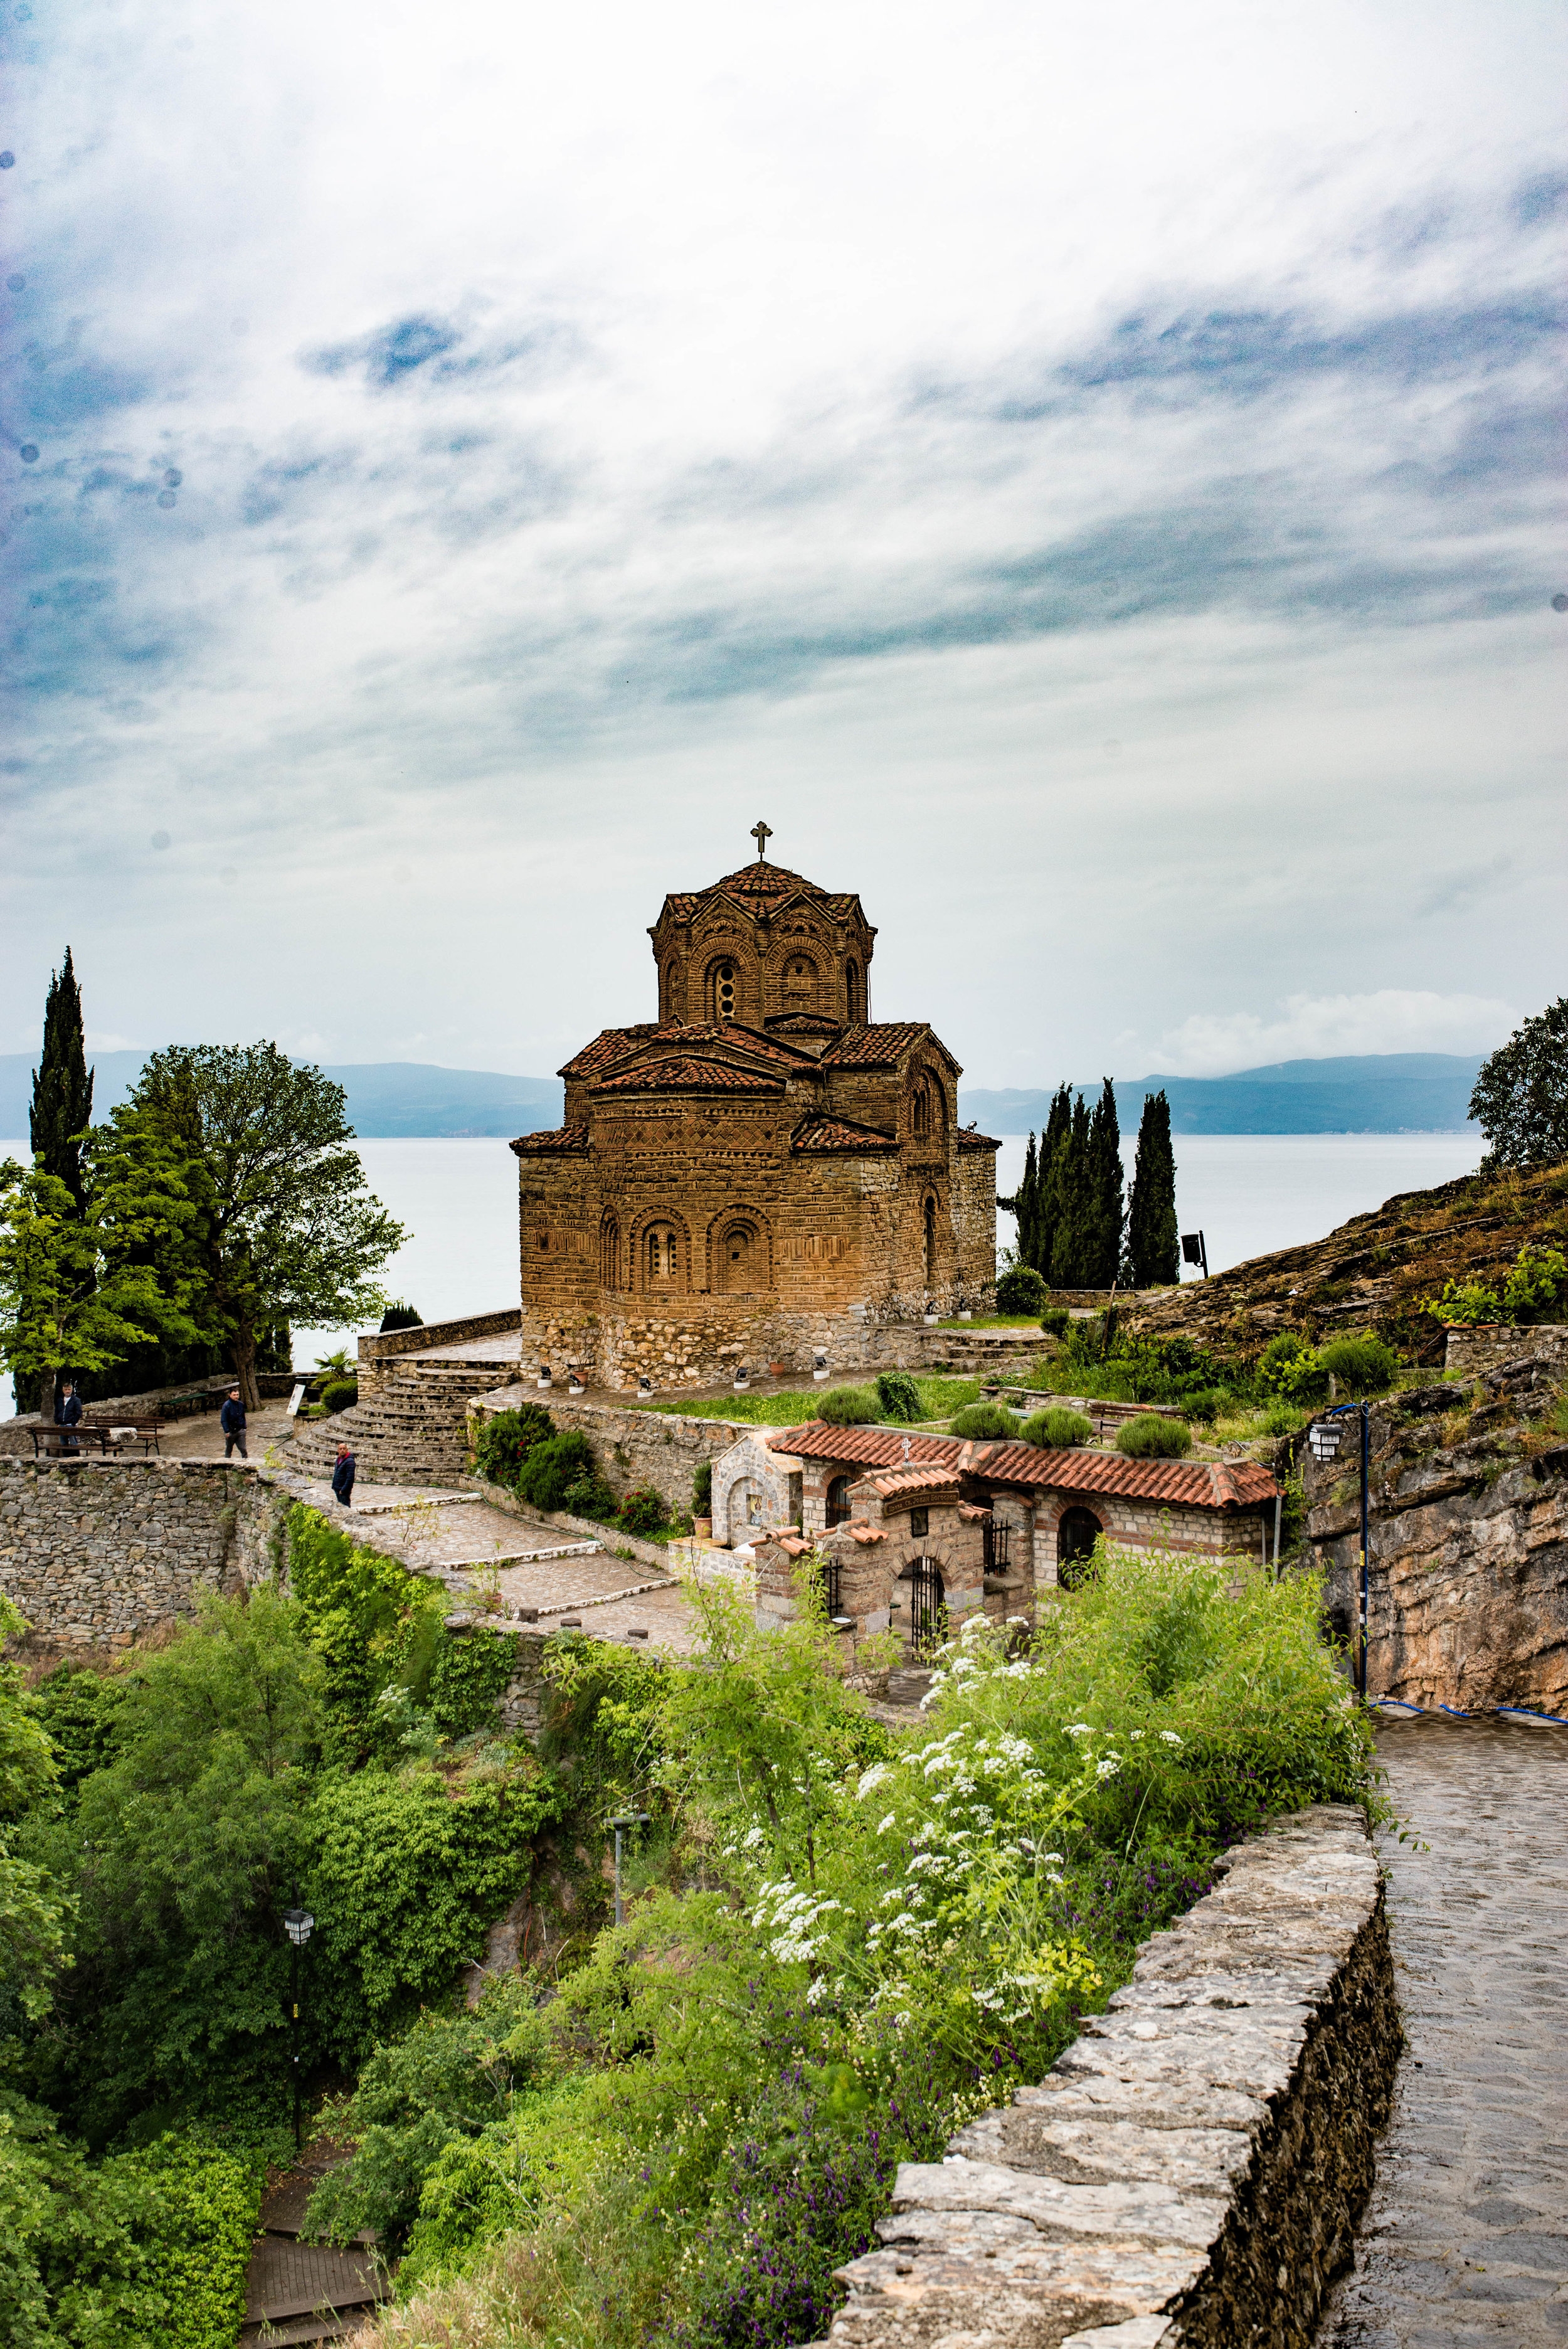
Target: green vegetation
<point>1299,1372</point>
<point>1021,1290</point>
<point>1069,1204</point>
<point>986,1422</point>
<point>1521,1097</point>
<point>560,1470</point>
<point>1057,1428</point>
<point>1153,1246</point>
<point>939,1397</point>
<point>848,1407</point>
<point>1535,1288</point>
<point>899,1397</point>
<point>401,1315</point>
<point>1153,1437</point>
<point>842,1942</point>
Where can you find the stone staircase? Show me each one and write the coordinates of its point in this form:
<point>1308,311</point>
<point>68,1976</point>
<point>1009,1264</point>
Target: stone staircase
<point>412,1431</point>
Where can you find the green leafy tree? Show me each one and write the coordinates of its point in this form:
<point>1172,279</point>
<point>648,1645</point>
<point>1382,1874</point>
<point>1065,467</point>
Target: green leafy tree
<point>293,1232</point>
<point>33,1911</point>
<point>1152,1241</point>
<point>1521,1097</point>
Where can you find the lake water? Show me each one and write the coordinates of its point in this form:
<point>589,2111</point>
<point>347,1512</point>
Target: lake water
<point>1247,1192</point>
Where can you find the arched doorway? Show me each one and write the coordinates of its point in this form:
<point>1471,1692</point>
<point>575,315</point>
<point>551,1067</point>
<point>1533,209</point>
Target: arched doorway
<point>737,1259</point>
<point>928,1260</point>
<point>927,1606</point>
<point>1076,1538</point>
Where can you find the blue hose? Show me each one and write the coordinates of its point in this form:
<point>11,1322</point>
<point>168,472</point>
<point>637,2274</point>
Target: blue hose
<point>1528,1712</point>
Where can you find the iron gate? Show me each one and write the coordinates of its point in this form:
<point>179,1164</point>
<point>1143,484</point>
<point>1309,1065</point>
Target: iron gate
<point>927,1606</point>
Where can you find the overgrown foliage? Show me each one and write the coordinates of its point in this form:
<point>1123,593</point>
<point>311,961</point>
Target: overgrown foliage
<point>1154,1437</point>
<point>1535,1288</point>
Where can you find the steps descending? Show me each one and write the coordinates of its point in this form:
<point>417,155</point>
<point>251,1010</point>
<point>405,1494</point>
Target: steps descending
<point>412,1431</point>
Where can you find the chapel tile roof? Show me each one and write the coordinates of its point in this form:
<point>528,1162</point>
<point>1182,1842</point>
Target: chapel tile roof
<point>608,1045</point>
<point>909,1484</point>
<point>819,1135</point>
<point>559,1137</point>
<point>612,1044</point>
<point>689,1072</point>
<point>969,1140</point>
<point>876,1047</point>
<point>1189,1484</point>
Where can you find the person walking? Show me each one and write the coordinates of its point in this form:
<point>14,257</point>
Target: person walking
<point>232,1419</point>
<point>343,1476</point>
<point>68,1414</point>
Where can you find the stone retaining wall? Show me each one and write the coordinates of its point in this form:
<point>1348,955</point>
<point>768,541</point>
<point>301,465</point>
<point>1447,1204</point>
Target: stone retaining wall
<point>99,1553</point>
<point>1467,1353</point>
<point>633,1447</point>
<point>1188,2174</point>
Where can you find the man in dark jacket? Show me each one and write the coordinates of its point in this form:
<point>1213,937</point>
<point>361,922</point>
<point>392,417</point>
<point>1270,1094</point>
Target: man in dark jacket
<point>343,1475</point>
<point>232,1420</point>
<point>67,1414</point>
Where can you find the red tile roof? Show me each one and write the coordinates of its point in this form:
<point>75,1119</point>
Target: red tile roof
<point>1189,1484</point>
<point>969,1140</point>
<point>689,1072</point>
<point>764,880</point>
<point>820,1134</point>
<point>909,1484</point>
<point>559,1137</point>
<point>877,1047</point>
<point>608,1045</point>
<point>612,1044</point>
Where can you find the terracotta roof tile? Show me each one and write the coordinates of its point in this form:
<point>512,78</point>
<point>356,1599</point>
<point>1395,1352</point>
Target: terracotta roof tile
<point>608,1045</point>
<point>969,1140</point>
<point>874,1447</point>
<point>865,1535</point>
<point>764,880</point>
<point>876,1047</point>
<point>1194,1483</point>
<point>689,1072</point>
<point>907,1483</point>
<point>559,1137</point>
<point>821,1133</point>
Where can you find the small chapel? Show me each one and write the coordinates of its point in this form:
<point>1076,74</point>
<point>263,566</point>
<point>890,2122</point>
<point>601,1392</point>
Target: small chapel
<point>761,1176</point>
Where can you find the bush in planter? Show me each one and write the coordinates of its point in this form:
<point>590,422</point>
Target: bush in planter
<point>552,1468</point>
<point>1057,1428</point>
<point>1364,1365</point>
<point>401,1315</point>
<point>643,1510</point>
<point>591,1498</point>
<point>1021,1290</point>
<point>340,1394</point>
<point>849,1407</point>
<point>898,1396</point>
<point>1153,1438</point>
<point>986,1422</point>
<point>504,1443</point>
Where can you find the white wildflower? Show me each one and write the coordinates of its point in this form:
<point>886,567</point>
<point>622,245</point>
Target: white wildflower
<point>883,1825</point>
<point>1108,1767</point>
<point>873,1778</point>
<point>1080,1729</point>
<point>1171,1737</point>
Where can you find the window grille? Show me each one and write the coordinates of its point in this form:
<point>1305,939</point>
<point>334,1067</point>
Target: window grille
<point>999,1539</point>
<point>832,1587</point>
<point>928,1607</point>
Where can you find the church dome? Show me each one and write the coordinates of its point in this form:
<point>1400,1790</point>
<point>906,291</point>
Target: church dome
<point>765,880</point>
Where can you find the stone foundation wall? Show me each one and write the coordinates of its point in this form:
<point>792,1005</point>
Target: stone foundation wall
<point>96,1554</point>
<point>1188,2175</point>
<point>633,1447</point>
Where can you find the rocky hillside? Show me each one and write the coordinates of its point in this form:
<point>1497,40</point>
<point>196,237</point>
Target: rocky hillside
<point>1374,1272</point>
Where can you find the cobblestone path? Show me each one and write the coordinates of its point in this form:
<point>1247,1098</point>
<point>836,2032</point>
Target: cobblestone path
<point>1465,2237</point>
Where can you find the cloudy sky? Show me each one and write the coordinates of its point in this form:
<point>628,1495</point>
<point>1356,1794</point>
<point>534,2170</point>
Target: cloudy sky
<point>1085,476</point>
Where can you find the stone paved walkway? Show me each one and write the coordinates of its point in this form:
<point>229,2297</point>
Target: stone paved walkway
<point>1465,2238</point>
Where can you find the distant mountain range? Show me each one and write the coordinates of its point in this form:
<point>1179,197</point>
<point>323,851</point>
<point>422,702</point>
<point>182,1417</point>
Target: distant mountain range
<point>1374,1093</point>
<point>1368,1092</point>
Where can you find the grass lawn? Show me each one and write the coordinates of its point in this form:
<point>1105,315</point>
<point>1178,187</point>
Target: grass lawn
<point>999,1321</point>
<point>940,1398</point>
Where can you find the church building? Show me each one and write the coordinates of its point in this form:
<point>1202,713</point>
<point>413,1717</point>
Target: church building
<point>764,1173</point>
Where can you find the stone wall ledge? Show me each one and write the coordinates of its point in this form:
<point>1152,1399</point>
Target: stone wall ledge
<point>1188,2174</point>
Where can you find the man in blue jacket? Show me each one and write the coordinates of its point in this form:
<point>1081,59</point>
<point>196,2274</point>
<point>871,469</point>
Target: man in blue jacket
<point>68,1414</point>
<point>232,1420</point>
<point>343,1475</point>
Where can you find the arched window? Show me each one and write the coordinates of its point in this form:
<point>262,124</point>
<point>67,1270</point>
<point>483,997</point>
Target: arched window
<point>838,1501</point>
<point>610,1253</point>
<point>724,990</point>
<point>854,1002</point>
<point>930,1253</point>
<point>1076,1538</point>
<point>927,1606</point>
<point>799,983</point>
<point>922,1109</point>
<point>662,1256</point>
<point>738,1259</point>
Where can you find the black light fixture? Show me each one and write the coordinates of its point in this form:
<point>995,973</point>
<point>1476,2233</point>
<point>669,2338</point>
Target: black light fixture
<point>299,1925</point>
<point>818,1368</point>
<point>544,1374</point>
<point>742,1378</point>
<point>1193,1251</point>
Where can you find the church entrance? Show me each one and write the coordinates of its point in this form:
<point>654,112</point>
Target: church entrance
<point>927,1606</point>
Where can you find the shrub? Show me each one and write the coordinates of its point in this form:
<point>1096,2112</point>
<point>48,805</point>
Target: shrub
<point>1536,1288</point>
<point>402,1316</point>
<point>1205,1406</point>
<point>1365,1364</point>
<point>899,1396</point>
<point>504,1443</point>
<point>1288,1366</point>
<point>986,1421</point>
<point>1057,1429</point>
<point>1464,1304</point>
<point>340,1394</point>
<point>848,1407</point>
<point>1021,1290</point>
<point>1153,1438</point>
<point>591,1496</point>
<point>1280,1419</point>
<point>643,1510</point>
<point>1055,1321</point>
<point>702,1490</point>
<point>550,1469</point>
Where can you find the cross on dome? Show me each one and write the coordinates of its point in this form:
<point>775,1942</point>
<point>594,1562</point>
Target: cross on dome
<point>761,833</point>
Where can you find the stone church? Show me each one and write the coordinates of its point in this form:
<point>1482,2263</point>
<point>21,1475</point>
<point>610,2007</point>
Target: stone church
<point>762,1174</point>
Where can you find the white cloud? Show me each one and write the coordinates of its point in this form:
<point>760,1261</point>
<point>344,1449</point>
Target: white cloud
<point>1322,1027</point>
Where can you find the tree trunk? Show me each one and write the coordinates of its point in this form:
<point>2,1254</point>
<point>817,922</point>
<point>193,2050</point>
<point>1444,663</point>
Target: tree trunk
<point>245,1365</point>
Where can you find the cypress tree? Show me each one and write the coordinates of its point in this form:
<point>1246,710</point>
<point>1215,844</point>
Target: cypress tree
<point>62,1086</point>
<point>1026,1205</point>
<point>1151,1233</point>
<point>1104,1213</point>
<point>1047,1206</point>
<point>1072,1240</point>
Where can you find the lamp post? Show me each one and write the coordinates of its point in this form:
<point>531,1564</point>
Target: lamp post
<point>1324,1438</point>
<point>624,1822</point>
<point>298,1924</point>
<point>1194,1250</point>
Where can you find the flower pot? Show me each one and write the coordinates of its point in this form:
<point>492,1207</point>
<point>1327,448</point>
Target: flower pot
<point>702,1528</point>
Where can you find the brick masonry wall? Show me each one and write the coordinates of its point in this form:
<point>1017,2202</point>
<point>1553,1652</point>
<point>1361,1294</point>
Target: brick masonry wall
<point>1188,2173</point>
<point>98,1553</point>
